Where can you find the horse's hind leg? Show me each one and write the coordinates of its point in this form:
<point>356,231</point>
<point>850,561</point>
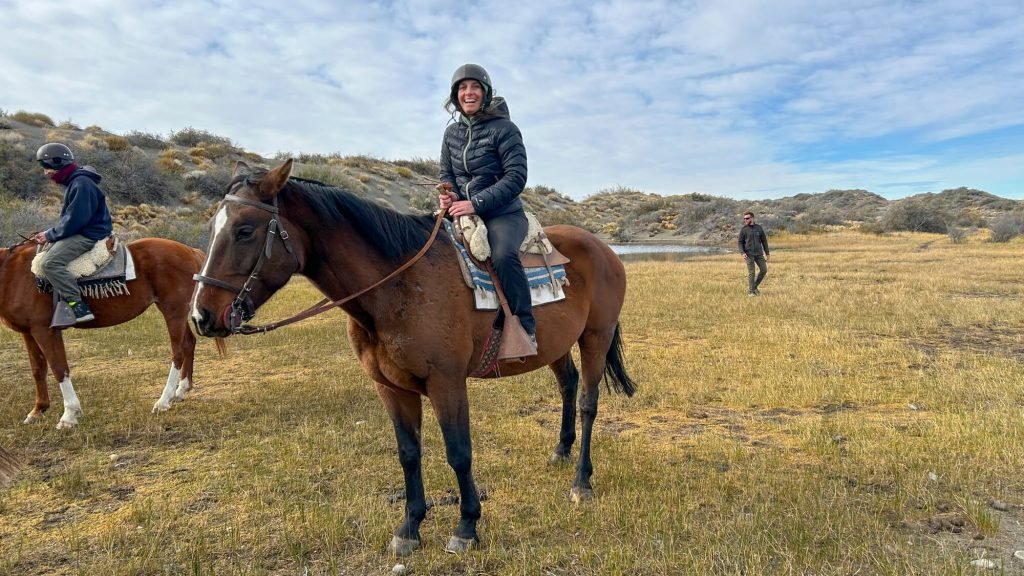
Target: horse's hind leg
<point>38,362</point>
<point>594,346</point>
<point>568,385</point>
<point>181,346</point>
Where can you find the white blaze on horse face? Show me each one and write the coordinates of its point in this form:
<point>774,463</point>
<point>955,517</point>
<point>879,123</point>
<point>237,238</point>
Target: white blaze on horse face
<point>72,407</point>
<point>219,222</point>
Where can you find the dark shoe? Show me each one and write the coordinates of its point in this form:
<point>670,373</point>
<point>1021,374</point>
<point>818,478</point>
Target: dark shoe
<point>751,294</point>
<point>757,292</point>
<point>82,312</point>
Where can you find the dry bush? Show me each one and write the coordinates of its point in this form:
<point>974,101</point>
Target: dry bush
<point>403,172</point>
<point>191,137</point>
<point>209,183</point>
<point>20,176</point>
<point>173,160</point>
<point>130,176</point>
<point>117,143</point>
<point>146,140</point>
<point>33,119</point>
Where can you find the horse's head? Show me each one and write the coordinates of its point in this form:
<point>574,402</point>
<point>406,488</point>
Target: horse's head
<point>250,256</point>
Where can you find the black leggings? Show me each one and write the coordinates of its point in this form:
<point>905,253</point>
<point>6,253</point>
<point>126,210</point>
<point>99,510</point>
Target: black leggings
<point>506,234</point>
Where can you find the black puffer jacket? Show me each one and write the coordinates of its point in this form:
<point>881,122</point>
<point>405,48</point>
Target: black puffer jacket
<point>484,159</point>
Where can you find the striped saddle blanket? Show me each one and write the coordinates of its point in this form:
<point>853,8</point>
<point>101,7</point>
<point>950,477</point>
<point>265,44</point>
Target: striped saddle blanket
<point>546,282</point>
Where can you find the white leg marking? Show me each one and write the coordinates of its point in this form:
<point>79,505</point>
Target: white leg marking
<point>183,387</point>
<point>33,416</point>
<point>164,403</point>
<point>72,407</point>
<point>219,221</point>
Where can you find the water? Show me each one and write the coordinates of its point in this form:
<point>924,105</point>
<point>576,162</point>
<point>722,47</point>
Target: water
<point>661,252</point>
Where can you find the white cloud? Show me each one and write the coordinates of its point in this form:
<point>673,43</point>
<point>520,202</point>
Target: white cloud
<point>721,97</point>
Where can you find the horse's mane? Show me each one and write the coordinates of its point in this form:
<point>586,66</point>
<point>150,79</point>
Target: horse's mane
<point>391,232</point>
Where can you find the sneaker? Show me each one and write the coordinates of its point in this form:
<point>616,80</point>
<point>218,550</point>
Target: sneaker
<point>757,292</point>
<point>82,312</point>
<point>751,294</point>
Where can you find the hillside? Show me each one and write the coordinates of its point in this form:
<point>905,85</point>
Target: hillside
<point>168,186</point>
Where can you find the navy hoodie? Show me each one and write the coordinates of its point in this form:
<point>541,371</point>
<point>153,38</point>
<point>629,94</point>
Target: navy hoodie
<point>85,208</point>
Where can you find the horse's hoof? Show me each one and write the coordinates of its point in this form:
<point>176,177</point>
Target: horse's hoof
<point>559,459</point>
<point>578,495</point>
<point>161,407</point>
<point>403,546</point>
<point>66,425</point>
<point>33,417</point>
<point>458,545</point>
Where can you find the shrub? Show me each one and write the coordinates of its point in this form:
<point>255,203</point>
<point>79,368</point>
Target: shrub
<point>20,176</point>
<point>191,137</point>
<point>68,125</point>
<point>1007,227</point>
<point>33,119</point>
<point>957,235</point>
<point>173,160</point>
<point>131,177</point>
<point>19,217</point>
<point>915,216</point>
<point>210,183</point>
<point>146,140</point>
<point>116,143</point>
<point>422,166</point>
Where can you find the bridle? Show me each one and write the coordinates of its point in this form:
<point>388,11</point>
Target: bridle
<point>242,308</point>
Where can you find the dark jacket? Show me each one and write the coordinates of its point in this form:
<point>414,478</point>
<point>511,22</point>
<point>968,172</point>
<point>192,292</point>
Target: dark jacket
<point>85,208</point>
<point>484,159</point>
<point>751,240</point>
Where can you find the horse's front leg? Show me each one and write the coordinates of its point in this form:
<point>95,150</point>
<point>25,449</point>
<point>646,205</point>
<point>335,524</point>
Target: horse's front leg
<point>52,344</point>
<point>38,362</point>
<point>451,405</point>
<point>406,411</point>
<point>568,385</point>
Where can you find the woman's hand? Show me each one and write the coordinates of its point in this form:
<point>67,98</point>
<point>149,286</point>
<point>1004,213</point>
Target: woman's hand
<point>461,208</point>
<point>445,196</point>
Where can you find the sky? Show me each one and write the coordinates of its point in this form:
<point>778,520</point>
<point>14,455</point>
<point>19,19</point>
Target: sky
<point>744,99</point>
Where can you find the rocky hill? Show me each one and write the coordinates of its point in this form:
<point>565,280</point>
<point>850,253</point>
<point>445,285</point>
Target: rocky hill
<point>168,186</point>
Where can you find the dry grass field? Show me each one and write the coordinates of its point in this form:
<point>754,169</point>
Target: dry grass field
<point>864,415</point>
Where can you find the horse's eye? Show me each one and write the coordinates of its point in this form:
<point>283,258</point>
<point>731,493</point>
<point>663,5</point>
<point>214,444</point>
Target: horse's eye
<point>244,233</point>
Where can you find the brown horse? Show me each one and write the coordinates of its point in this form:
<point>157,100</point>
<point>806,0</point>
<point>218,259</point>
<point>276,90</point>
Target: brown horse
<point>418,334</point>
<point>164,270</point>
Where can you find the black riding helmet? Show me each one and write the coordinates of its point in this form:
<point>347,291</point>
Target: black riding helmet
<point>472,72</point>
<point>54,155</point>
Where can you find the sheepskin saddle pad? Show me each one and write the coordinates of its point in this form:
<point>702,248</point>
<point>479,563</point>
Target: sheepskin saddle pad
<point>102,272</point>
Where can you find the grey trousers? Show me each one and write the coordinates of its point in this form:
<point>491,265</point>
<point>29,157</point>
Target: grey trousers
<point>56,266</point>
<point>762,269</point>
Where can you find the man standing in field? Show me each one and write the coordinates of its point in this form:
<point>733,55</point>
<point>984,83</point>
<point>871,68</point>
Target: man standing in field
<point>754,247</point>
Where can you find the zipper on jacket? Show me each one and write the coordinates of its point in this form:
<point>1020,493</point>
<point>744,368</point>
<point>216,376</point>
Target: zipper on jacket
<point>465,165</point>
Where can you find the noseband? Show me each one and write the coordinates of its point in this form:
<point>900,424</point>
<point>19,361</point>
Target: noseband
<point>242,309</point>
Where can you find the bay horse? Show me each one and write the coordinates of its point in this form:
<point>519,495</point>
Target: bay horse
<point>164,270</point>
<point>417,334</point>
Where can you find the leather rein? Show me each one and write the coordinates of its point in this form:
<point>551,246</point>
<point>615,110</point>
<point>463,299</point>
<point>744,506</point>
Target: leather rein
<point>242,308</point>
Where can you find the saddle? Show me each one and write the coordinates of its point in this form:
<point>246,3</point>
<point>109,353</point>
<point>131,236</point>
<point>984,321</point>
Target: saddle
<point>545,271</point>
<point>102,272</point>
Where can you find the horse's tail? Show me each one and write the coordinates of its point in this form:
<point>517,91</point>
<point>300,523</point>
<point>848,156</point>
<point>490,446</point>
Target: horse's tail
<point>615,376</point>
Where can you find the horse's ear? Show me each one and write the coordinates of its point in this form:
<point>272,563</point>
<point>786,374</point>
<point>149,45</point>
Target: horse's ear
<point>275,180</point>
<point>240,167</point>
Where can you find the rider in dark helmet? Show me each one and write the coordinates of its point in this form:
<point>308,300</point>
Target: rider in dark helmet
<point>84,220</point>
<point>483,171</point>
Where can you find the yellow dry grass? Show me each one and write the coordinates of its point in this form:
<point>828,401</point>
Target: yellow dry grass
<point>862,416</point>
